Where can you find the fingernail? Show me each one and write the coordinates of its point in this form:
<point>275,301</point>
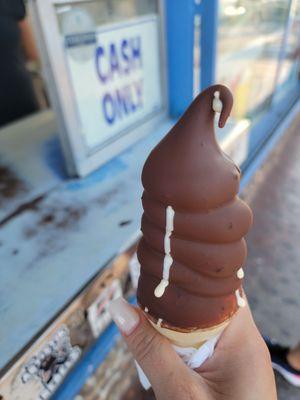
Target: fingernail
<point>125,317</point>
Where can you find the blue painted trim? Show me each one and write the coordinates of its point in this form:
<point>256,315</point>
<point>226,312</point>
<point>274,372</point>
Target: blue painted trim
<point>179,16</point>
<point>89,363</point>
<point>266,149</point>
<point>208,42</point>
<point>180,49</point>
<point>282,51</point>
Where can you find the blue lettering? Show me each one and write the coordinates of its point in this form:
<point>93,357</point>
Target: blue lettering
<point>118,58</point>
<point>133,104</point>
<point>108,108</point>
<point>125,55</point>
<point>138,86</point>
<point>99,54</point>
<point>114,62</point>
<point>136,51</point>
<point>122,101</point>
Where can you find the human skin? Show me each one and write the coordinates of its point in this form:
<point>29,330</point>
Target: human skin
<point>240,368</point>
<point>294,357</point>
<point>27,41</point>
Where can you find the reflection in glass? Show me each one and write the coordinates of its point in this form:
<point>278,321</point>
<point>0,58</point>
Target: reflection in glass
<point>289,68</point>
<point>105,11</point>
<point>250,40</point>
<point>112,53</point>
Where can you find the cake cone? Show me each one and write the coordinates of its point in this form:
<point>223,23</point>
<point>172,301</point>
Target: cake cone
<point>195,338</point>
<point>193,247</point>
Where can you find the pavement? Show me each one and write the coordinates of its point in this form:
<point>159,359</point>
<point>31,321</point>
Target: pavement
<point>272,280</point>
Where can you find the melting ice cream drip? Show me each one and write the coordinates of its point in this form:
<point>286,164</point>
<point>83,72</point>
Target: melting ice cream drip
<point>168,260</point>
<point>240,273</point>
<point>240,301</point>
<point>159,322</point>
<point>217,103</point>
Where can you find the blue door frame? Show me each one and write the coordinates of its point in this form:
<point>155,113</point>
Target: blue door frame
<point>180,49</point>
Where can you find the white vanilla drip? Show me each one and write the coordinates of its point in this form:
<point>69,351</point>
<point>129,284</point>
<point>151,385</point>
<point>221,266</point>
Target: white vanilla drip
<point>240,301</point>
<point>168,260</point>
<point>240,273</point>
<point>146,309</point>
<point>217,103</point>
<point>160,288</point>
<point>159,321</point>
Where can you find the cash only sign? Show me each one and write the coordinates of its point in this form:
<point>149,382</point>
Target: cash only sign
<point>115,74</point>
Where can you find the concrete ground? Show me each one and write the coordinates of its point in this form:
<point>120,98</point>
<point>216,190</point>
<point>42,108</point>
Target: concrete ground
<point>273,267</point>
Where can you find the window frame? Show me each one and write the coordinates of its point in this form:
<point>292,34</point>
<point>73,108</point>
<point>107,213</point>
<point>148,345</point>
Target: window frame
<point>81,160</point>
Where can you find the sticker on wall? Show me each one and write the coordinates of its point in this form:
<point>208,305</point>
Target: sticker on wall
<point>98,315</point>
<point>78,28</point>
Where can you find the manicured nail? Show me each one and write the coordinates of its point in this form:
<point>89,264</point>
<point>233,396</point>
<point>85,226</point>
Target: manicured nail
<point>125,316</point>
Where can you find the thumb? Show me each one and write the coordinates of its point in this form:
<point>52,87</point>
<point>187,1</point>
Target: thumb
<point>151,350</point>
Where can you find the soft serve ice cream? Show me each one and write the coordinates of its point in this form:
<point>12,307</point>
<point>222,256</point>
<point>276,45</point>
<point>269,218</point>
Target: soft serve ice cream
<point>193,248</point>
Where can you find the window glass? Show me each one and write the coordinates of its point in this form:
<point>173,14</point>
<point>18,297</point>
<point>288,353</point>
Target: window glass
<point>250,38</point>
<point>112,52</point>
<point>107,11</point>
<point>289,69</point>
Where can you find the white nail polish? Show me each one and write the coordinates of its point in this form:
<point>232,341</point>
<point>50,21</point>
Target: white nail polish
<point>125,316</point>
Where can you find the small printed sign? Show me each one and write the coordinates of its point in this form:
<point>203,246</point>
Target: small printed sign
<point>82,39</point>
<point>118,84</point>
<point>98,315</point>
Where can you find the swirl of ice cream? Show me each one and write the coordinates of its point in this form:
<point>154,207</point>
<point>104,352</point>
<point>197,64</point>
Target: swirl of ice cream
<point>193,250</point>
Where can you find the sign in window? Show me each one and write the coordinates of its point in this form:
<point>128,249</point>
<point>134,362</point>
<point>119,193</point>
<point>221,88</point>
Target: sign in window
<point>115,74</point>
<point>104,62</point>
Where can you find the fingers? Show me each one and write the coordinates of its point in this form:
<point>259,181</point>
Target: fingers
<point>242,337</point>
<point>152,351</point>
<point>242,326</point>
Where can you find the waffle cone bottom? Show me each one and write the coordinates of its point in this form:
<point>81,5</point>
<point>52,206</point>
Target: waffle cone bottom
<point>194,338</point>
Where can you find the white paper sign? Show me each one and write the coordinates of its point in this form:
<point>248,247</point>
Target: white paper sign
<point>115,73</point>
<point>98,315</point>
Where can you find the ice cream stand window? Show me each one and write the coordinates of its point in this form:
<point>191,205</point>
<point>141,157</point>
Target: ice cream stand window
<point>106,74</point>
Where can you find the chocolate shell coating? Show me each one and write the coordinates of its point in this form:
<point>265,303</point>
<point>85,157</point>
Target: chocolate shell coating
<point>188,171</point>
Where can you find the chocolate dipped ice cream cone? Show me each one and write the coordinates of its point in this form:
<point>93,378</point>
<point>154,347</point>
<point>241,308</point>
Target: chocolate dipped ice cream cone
<point>193,248</point>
